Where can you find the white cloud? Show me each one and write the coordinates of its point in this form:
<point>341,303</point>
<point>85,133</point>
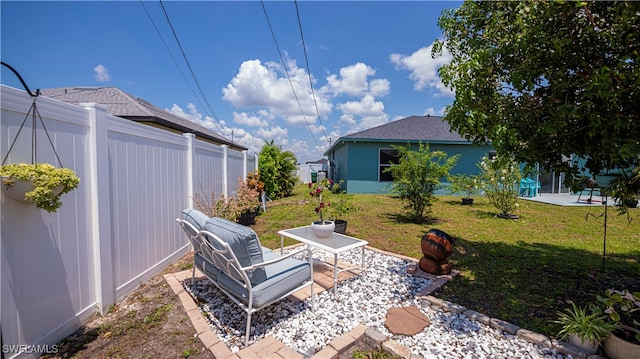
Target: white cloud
<point>102,73</point>
<point>317,128</point>
<point>379,87</point>
<point>429,111</point>
<point>354,81</point>
<point>192,115</point>
<point>369,111</point>
<point>237,134</point>
<point>303,152</point>
<point>244,138</point>
<point>264,94</point>
<point>267,86</point>
<point>277,134</point>
<point>367,106</point>
<point>433,112</point>
<point>348,120</point>
<point>424,69</point>
<point>326,141</point>
<point>249,119</point>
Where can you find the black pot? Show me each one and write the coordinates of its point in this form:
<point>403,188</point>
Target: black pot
<point>632,203</point>
<point>341,226</point>
<point>248,218</point>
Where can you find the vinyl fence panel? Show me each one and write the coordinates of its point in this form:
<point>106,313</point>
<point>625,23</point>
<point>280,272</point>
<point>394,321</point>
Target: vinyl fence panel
<point>113,232</point>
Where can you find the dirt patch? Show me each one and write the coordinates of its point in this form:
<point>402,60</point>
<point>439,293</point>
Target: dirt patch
<point>148,323</point>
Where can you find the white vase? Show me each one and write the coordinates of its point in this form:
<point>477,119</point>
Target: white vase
<point>589,346</point>
<point>322,229</point>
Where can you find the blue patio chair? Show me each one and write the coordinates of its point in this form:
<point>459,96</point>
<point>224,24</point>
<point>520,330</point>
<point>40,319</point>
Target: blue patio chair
<point>231,257</point>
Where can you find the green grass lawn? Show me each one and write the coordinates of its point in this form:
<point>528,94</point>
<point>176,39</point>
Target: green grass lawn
<point>522,271</point>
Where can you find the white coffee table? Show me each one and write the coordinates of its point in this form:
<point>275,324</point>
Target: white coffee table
<point>337,243</point>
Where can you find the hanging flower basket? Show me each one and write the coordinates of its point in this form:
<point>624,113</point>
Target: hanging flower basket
<point>38,183</point>
<point>41,184</point>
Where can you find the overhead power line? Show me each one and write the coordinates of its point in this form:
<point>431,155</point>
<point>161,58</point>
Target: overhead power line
<point>171,54</point>
<point>306,58</point>
<point>284,65</point>
<point>195,78</point>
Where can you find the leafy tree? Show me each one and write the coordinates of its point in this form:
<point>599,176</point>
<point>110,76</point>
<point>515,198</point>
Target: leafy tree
<point>417,176</point>
<point>277,170</point>
<point>542,79</point>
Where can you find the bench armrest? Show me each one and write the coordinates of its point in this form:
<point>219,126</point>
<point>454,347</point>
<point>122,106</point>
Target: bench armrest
<point>281,258</point>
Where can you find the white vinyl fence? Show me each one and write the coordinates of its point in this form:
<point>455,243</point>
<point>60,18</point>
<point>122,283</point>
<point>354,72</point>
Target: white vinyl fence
<point>113,232</point>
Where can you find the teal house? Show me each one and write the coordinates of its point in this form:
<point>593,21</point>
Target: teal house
<point>359,159</point>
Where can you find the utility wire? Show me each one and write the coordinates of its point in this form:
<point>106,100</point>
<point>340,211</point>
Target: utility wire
<point>287,72</point>
<point>190,68</point>
<point>171,54</point>
<point>306,58</point>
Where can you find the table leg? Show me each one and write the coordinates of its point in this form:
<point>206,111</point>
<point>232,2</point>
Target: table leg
<point>281,245</point>
<point>335,273</point>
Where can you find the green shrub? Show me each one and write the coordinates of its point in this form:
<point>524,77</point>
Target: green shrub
<point>277,170</point>
<point>500,178</point>
<point>417,176</point>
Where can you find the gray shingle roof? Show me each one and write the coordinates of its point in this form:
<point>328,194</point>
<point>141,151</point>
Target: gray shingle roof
<point>122,104</point>
<point>414,128</point>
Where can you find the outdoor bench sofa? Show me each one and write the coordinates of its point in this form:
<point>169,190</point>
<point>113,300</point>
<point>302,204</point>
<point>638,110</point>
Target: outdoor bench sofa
<point>232,258</point>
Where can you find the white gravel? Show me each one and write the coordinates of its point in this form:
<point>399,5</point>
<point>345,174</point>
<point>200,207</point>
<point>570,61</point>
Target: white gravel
<point>362,299</point>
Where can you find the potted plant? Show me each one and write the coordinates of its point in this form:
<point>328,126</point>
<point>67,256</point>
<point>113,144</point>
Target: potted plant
<point>214,206</point>
<point>40,183</point>
<point>323,227</point>
<point>622,308</point>
<point>466,184</point>
<point>247,200</point>
<point>584,328</point>
<point>341,205</point>
<point>254,181</point>
<point>243,208</point>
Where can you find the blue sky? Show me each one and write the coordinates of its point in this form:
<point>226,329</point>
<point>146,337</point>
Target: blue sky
<point>369,61</point>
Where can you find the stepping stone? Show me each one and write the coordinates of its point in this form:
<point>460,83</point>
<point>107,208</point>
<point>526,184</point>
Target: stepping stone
<point>406,320</point>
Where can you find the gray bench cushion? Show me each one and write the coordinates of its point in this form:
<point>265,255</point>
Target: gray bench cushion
<point>243,241</point>
<point>195,217</point>
<point>206,266</point>
<point>280,278</point>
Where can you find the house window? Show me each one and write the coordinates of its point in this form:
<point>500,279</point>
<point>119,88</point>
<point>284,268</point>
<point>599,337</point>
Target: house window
<point>388,157</point>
